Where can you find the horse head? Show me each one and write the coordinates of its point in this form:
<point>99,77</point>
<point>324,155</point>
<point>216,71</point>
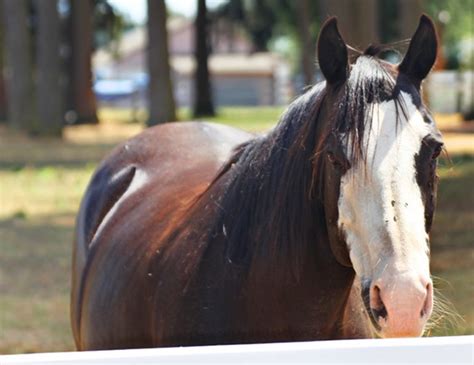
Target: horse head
<point>379,164</point>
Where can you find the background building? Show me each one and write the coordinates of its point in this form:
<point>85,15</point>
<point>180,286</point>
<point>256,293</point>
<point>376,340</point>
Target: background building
<point>239,75</point>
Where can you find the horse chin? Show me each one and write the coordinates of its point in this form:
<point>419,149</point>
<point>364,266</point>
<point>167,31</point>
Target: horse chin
<point>388,330</point>
<point>396,334</point>
<point>384,328</point>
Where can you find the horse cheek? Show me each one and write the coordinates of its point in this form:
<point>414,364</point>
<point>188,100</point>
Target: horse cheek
<point>336,235</point>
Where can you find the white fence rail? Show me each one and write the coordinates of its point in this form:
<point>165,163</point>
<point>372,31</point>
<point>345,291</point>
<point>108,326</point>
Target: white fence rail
<point>435,350</point>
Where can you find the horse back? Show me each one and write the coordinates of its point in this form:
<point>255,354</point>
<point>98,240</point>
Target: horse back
<point>145,183</point>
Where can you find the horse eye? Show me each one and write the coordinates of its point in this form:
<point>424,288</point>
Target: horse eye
<point>331,157</point>
<point>338,161</point>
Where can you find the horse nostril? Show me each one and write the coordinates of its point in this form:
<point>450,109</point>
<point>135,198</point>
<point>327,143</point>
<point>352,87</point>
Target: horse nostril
<point>382,312</point>
<point>376,304</point>
<point>427,302</point>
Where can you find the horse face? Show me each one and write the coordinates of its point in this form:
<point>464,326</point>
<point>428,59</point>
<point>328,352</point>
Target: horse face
<point>386,199</point>
<point>385,209</point>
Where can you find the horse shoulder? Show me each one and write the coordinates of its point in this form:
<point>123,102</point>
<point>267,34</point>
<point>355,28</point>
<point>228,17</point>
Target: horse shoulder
<point>136,193</point>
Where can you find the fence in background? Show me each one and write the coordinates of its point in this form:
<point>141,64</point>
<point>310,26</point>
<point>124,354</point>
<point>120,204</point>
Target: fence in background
<point>451,91</point>
<point>434,350</point>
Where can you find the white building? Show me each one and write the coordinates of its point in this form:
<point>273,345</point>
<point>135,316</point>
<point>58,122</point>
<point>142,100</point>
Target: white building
<point>238,76</point>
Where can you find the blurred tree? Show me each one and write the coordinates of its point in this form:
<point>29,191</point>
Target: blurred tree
<point>306,44</point>
<point>108,25</point>
<point>3,97</point>
<point>260,19</point>
<point>357,20</point>
<point>268,20</point>
<point>21,96</point>
<point>455,23</point>
<point>82,101</point>
<point>388,21</point>
<point>203,105</point>
<point>230,14</point>
<point>48,68</point>
<point>160,91</point>
<point>409,12</point>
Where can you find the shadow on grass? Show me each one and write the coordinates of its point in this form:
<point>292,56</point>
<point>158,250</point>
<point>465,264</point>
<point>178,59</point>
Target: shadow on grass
<point>64,155</point>
<point>452,249</point>
<point>35,267</point>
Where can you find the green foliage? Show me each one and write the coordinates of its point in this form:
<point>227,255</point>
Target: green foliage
<point>388,26</point>
<point>271,24</point>
<point>455,21</point>
<point>456,15</point>
<point>256,17</point>
<point>109,25</point>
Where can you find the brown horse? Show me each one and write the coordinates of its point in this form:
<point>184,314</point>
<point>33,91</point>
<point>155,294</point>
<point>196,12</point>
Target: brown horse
<point>195,233</point>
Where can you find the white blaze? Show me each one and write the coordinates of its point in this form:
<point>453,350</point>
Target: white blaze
<point>380,204</point>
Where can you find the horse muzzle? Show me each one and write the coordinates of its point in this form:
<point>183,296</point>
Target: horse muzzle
<point>399,304</point>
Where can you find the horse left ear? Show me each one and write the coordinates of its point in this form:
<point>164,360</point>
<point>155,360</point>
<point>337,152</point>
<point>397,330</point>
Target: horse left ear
<point>421,54</point>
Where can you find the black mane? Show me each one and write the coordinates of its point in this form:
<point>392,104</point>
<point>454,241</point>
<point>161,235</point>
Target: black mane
<point>267,193</point>
<point>269,185</point>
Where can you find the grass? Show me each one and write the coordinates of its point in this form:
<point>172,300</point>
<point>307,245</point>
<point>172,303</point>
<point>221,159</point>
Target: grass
<point>36,228</point>
<point>248,118</point>
<point>41,184</point>
<point>452,249</point>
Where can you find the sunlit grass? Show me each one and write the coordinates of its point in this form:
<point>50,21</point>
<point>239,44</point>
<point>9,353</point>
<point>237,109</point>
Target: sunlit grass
<point>248,118</point>
<point>44,190</point>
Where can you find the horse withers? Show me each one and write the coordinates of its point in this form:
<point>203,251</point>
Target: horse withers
<point>196,234</point>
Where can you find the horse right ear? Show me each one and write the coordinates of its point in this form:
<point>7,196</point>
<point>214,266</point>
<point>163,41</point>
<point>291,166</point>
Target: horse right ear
<point>332,53</point>
<point>421,54</point>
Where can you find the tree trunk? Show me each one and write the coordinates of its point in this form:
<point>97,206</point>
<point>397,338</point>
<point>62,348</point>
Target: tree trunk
<point>307,49</point>
<point>3,100</point>
<point>357,20</point>
<point>410,11</point>
<point>3,96</point>
<point>48,69</point>
<point>160,90</point>
<point>19,70</point>
<point>203,105</point>
<point>83,98</point>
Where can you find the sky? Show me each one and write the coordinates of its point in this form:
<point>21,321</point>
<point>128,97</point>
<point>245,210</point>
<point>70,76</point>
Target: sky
<point>136,9</point>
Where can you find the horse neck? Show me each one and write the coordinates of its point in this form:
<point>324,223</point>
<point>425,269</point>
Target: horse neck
<point>275,231</point>
<point>275,221</point>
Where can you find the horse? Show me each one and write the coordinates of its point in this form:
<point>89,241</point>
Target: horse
<point>194,233</point>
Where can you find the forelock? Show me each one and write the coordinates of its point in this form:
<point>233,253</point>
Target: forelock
<point>371,82</point>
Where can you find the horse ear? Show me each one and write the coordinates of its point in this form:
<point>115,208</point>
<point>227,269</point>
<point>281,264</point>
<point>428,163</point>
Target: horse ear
<point>421,54</point>
<point>332,53</point>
